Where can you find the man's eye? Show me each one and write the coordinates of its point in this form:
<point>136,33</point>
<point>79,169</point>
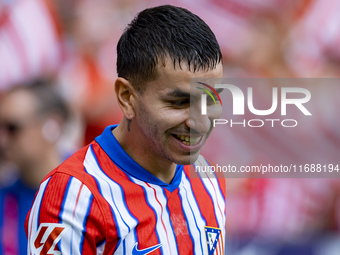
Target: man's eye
<point>180,103</point>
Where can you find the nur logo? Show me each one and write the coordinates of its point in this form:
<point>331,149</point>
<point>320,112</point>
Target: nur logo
<point>239,99</point>
<point>204,97</point>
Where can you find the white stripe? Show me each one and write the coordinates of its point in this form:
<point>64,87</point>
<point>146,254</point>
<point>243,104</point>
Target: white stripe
<point>35,50</point>
<point>192,213</point>
<point>80,217</point>
<point>38,41</point>
<point>212,187</point>
<point>67,215</point>
<point>48,44</point>
<point>100,249</point>
<point>218,202</point>
<point>33,219</point>
<point>10,60</point>
<point>165,232</point>
<point>112,193</point>
<point>20,15</point>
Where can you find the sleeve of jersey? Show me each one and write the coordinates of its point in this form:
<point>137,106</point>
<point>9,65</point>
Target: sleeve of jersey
<point>65,218</point>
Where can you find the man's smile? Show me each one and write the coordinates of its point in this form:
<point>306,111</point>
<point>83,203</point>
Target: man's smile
<point>188,140</point>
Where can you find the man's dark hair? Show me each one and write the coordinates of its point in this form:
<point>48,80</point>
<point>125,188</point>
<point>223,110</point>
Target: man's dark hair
<point>48,98</point>
<point>161,32</point>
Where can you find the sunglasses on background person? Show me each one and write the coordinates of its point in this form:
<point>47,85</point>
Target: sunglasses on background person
<point>10,128</point>
<point>13,128</point>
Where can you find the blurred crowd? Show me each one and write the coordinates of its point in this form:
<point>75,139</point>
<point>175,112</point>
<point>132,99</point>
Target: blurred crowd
<point>68,49</point>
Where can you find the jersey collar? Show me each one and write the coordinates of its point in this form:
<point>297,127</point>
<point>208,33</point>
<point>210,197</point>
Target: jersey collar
<point>117,154</point>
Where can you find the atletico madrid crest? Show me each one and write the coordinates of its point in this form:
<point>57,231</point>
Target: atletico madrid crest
<point>214,240</point>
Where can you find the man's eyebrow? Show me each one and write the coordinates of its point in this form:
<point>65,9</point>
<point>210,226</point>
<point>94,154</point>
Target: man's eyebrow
<point>178,93</point>
<point>181,93</point>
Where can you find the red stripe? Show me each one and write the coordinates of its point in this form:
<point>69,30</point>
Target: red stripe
<point>53,199</point>
<point>222,184</point>
<point>4,16</point>
<point>184,242</point>
<point>95,231</point>
<point>54,16</point>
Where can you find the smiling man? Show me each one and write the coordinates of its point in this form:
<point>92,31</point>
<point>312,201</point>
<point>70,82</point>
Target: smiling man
<point>130,191</point>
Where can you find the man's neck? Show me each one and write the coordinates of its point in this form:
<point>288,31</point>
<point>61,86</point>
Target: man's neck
<point>131,143</point>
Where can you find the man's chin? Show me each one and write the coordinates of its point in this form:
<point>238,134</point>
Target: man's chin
<point>188,160</point>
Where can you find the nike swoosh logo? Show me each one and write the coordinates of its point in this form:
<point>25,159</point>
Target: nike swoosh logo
<point>135,250</point>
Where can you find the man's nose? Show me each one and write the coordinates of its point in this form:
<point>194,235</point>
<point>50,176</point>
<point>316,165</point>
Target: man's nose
<point>197,121</point>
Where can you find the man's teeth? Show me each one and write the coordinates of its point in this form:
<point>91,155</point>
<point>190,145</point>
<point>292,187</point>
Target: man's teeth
<point>187,140</point>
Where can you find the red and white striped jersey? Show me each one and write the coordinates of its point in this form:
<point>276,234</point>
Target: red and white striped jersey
<point>100,201</point>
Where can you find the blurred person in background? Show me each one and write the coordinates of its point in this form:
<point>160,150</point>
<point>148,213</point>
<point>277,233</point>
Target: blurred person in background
<point>32,119</point>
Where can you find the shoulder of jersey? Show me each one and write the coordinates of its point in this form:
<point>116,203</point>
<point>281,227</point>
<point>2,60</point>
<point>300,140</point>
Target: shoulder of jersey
<point>73,166</point>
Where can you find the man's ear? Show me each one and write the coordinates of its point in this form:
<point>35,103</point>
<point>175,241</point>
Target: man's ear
<point>52,128</point>
<point>125,93</point>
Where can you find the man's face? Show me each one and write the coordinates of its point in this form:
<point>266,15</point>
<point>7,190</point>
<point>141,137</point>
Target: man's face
<point>20,128</point>
<point>171,129</point>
